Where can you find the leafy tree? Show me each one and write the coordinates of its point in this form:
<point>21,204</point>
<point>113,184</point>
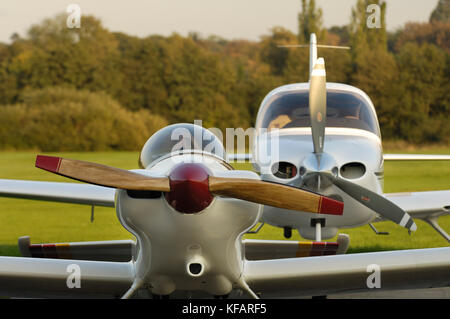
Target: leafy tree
<point>81,58</point>
<point>437,33</point>
<point>62,119</point>
<point>362,36</point>
<point>253,77</point>
<point>442,12</point>
<point>191,76</point>
<point>111,81</point>
<point>297,66</point>
<point>343,35</point>
<point>373,69</point>
<point>141,66</point>
<point>422,113</point>
<point>337,61</point>
<point>310,21</point>
<point>272,53</point>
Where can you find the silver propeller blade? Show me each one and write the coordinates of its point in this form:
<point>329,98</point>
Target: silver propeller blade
<point>377,203</point>
<point>318,105</point>
<point>318,114</point>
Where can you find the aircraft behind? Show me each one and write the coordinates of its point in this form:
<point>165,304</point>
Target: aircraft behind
<point>328,141</point>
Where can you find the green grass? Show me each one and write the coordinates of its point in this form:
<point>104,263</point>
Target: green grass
<point>57,222</point>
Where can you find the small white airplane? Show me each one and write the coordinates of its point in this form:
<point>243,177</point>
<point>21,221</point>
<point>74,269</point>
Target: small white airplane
<point>329,142</point>
<point>188,211</point>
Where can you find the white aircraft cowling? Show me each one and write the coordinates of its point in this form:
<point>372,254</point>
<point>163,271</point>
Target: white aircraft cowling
<point>170,242</point>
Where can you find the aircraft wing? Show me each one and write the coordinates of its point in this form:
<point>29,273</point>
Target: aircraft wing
<point>428,206</point>
<point>415,157</point>
<point>246,157</point>
<point>58,192</point>
<point>285,277</point>
<point>243,157</point>
<point>422,204</point>
<point>324,275</point>
<point>257,249</point>
<point>43,277</point>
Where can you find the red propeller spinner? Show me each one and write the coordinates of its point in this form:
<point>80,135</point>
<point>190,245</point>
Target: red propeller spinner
<point>189,188</point>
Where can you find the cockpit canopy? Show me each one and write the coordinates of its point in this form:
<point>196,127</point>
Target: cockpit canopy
<point>290,109</point>
<point>182,138</point>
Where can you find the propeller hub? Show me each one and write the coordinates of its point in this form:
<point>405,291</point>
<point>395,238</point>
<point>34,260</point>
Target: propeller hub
<point>319,163</point>
<point>317,169</point>
<point>189,188</point>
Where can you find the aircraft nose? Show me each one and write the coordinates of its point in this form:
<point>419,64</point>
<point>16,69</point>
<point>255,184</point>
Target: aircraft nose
<point>189,188</point>
<point>319,163</point>
<point>317,166</point>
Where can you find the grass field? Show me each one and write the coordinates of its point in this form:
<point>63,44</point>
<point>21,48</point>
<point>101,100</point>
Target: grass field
<point>56,222</point>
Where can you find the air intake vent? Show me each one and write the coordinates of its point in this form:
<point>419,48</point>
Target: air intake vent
<point>352,170</point>
<point>284,170</point>
<point>195,269</point>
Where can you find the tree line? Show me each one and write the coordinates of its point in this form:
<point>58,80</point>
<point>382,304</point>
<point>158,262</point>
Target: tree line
<point>93,89</point>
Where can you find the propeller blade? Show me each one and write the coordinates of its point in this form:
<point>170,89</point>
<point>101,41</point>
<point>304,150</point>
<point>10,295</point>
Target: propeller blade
<point>274,194</point>
<point>257,191</point>
<point>377,203</point>
<point>318,105</point>
<point>101,174</point>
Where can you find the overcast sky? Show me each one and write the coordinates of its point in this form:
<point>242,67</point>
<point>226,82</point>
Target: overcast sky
<point>231,19</point>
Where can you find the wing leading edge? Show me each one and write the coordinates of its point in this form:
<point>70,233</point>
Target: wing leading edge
<point>41,277</point>
<point>416,157</point>
<point>427,206</point>
<point>58,192</point>
<point>313,276</point>
<point>245,157</point>
<point>290,277</point>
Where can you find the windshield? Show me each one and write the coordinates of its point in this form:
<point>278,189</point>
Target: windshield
<point>344,109</point>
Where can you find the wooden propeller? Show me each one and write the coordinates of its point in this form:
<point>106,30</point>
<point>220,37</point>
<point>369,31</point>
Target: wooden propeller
<point>101,174</point>
<point>189,182</point>
<point>274,194</point>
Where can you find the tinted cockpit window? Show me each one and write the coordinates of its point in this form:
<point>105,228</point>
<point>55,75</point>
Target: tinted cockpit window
<point>344,109</point>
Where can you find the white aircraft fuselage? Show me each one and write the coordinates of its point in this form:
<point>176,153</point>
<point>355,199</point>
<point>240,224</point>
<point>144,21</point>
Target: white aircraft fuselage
<point>353,153</point>
<point>199,251</point>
